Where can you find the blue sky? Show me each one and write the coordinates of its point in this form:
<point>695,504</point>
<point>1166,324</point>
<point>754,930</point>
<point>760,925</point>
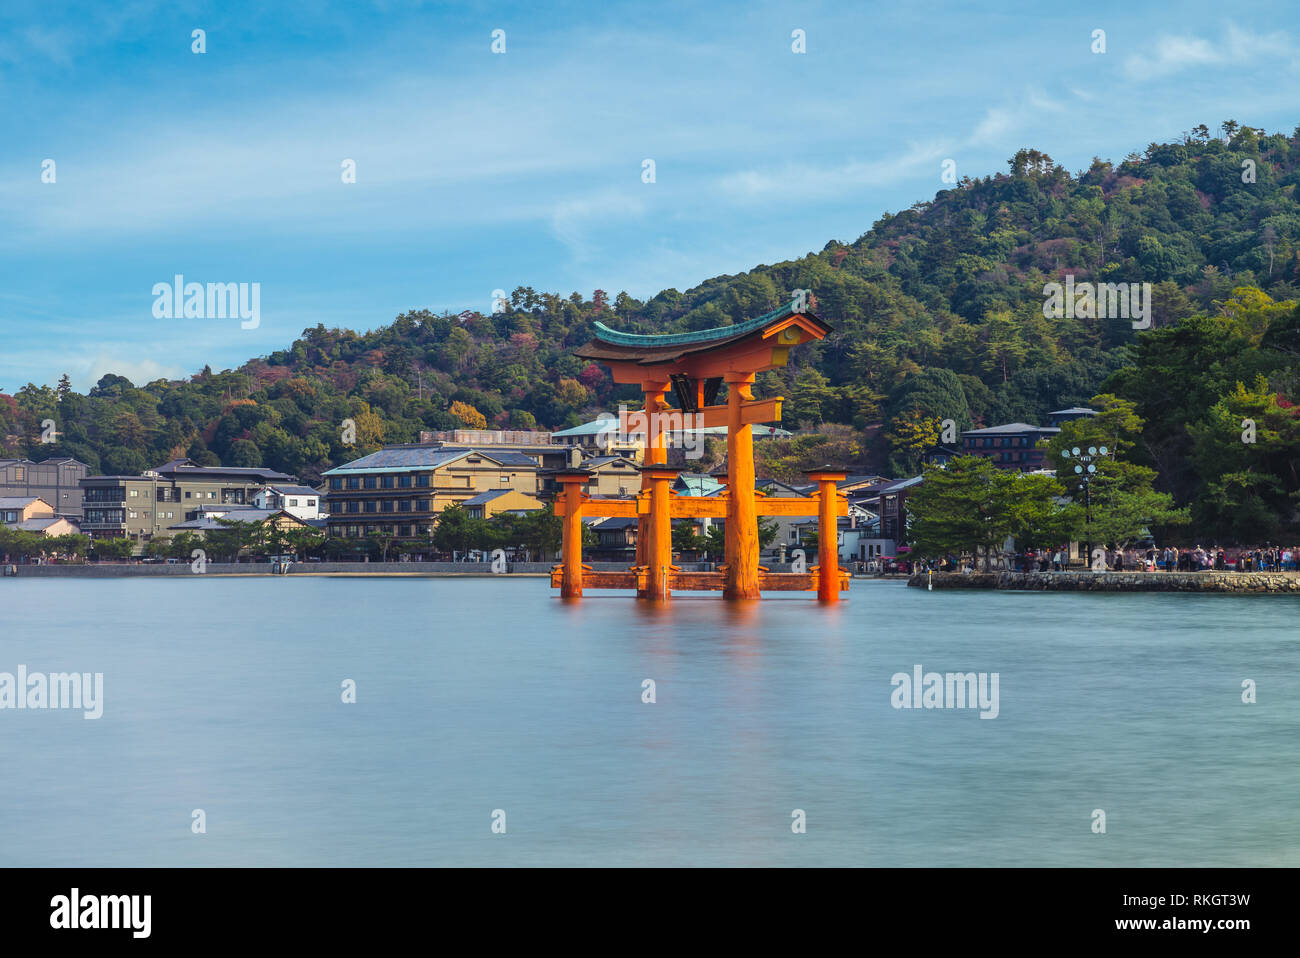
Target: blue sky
<point>478,171</point>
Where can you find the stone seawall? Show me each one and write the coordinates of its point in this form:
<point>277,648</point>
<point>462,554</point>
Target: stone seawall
<point>1230,582</point>
<point>110,570</point>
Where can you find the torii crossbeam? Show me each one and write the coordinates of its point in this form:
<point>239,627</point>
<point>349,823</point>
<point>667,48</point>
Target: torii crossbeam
<point>693,366</point>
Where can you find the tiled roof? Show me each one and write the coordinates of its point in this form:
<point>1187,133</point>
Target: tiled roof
<point>486,497</point>
<point>295,490</point>
<point>37,525</point>
<point>1009,428</point>
<point>402,458</point>
<point>16,502</point>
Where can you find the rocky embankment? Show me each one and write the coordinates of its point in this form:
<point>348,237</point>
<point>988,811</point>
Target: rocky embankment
<point>1230,582</point>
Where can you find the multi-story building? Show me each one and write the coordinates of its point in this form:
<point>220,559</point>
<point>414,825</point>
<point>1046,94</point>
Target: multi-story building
<point>1011,446</point>
<point>57,481</point>
<point>142,507</point>
<point>399,490</point>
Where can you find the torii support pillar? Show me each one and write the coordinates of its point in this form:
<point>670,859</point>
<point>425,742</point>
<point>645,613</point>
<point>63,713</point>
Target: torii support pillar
<point>741,531</point>
<point>571,484</point>
<point>656,450</point>
<point>659,527</point>
<point>828,564</point>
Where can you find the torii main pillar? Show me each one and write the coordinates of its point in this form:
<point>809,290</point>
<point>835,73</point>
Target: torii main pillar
<point>740,534</point>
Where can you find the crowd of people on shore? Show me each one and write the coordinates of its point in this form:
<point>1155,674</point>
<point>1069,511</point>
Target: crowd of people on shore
<point>1172,559</point>
<point>1147,559</point>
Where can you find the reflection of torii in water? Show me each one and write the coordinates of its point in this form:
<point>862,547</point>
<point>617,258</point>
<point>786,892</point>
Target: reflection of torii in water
<point>694,366</point>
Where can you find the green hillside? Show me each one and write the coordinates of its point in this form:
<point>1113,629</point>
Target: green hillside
<point>937,309</point>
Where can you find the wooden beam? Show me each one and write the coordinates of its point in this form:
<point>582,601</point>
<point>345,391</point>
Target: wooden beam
<point>702,581</point>
<point>699,507</point>
<point>597,506</point>
<point>752,413</point>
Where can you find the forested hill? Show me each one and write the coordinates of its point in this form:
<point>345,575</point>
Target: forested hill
<point>937,310</point>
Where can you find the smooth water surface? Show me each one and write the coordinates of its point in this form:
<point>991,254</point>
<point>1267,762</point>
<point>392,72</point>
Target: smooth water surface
<point>224,694</point>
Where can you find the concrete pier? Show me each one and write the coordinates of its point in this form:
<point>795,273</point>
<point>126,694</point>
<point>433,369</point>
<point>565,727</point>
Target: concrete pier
<point>1251,583</point>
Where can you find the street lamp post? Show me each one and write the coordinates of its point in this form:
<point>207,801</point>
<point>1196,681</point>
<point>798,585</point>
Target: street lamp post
<point>1085,468</point>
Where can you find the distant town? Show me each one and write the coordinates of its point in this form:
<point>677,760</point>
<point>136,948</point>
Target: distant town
<point>456,495</point>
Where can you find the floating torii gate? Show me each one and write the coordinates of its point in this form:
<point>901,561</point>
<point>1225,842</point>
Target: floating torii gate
<point>694,366</point>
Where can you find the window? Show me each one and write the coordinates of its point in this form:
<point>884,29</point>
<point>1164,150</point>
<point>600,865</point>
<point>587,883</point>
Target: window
<point>20,473</point>
<point>293,502</point>
<point>354,507</point>
<point>134,493</point>
<point>132,515</point>
<point>389,505</point>
<point>336,483</point>
<point>352,532</point>
<point>187,494</point>
<point>371,483</point>
<point>404,482</point>
<point>370,506</point>
<point>422,505</point>
<point>388,482</point>
<point>405,532</point>
<point>354,482</point>
<point>422,480</point>
<point>311,503</point>
<point>404,505</point>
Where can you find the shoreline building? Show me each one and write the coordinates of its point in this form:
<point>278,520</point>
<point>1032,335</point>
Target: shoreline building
<point>34,514</point>
<point>302,502</point>
<point>57,481</point>
<point>400,490</point>
<point>142,507</point>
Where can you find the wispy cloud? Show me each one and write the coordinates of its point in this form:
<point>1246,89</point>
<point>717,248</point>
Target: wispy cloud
<point>806,181</point>
<point>1242,49</point>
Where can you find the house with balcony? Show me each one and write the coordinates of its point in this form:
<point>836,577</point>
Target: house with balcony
<point>400,490</point>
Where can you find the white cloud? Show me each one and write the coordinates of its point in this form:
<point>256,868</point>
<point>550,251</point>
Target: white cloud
<point>139,371</point>
<point>1236,47</point>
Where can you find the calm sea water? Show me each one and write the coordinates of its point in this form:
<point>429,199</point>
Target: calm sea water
<point>473,695</point>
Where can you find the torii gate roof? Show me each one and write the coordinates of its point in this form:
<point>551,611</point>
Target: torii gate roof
<point>612,345</point>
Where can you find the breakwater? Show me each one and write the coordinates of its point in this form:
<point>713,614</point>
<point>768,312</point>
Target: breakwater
<point>1236,583</point>
<point>120,570</point>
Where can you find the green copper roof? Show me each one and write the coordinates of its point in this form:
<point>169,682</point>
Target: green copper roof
<point>605,334</point>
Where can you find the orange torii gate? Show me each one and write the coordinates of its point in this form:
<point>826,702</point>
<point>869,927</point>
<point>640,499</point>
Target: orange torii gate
<point>694,366</point>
